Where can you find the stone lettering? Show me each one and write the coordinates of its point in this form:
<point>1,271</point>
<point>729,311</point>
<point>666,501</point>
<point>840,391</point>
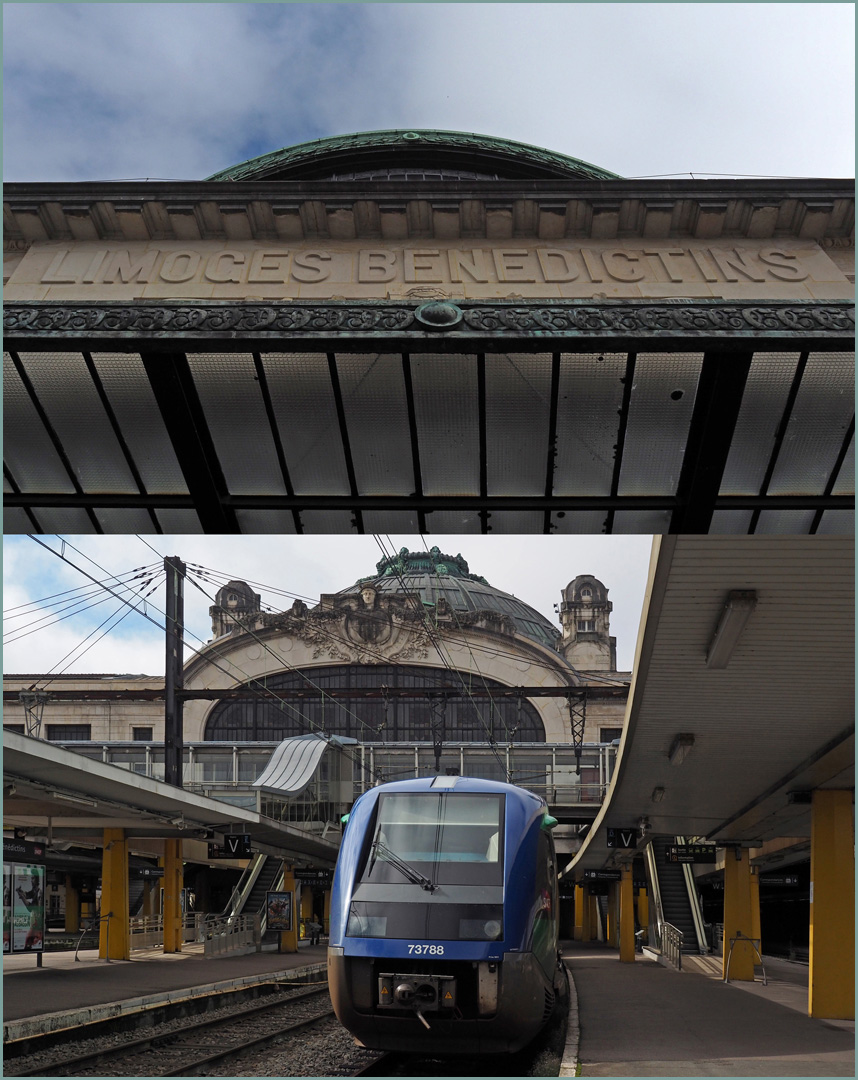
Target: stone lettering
<point>179,266</point>
<point>563,268</point>
<point>55,274</point>
<point>591,263</point>
<point>482,269</point>
<point>375,264</point>
<point>416,264</point>
<point>783,265</point>
<point>510,265</point>
<point>623,265</point>
<point>91,274</point>
<point>731,264</point>
<point>472,262</point>
<point>702,265</point>
<point>266,266</point>
<point>306,266</point>
<point>666,257</point>
<point>125,268</point>
<point>220,270</point>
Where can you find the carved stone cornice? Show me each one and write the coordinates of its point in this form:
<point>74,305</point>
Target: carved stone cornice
<point>494,324</point>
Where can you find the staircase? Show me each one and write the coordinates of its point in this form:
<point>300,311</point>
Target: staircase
<point>674,895</point>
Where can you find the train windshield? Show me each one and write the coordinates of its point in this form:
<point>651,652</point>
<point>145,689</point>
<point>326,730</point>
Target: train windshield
<point>441,838</point>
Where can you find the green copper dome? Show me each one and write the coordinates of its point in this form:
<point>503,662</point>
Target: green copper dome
<point>433,575</point>
<point>417,155</point>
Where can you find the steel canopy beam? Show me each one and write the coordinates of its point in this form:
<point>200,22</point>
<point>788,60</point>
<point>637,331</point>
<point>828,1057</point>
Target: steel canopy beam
<point>176,395</point>
<point>713,421</point>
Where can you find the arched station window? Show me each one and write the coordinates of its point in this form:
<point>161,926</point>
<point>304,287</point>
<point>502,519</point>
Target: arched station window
<point>260,718</point>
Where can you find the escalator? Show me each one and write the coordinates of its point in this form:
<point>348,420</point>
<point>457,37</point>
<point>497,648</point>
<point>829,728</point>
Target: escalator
<point>267,880</point>
<point>678,898</point>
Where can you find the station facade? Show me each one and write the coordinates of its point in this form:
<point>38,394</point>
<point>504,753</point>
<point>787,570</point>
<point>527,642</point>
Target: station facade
<point>421,619</point>
<point>418,667</point>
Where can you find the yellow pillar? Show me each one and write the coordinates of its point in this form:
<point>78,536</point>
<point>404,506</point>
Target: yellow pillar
<point>306,904</point>
<point>580,902</point>
<point>737,915</point>
<point>72,923</point>
<point>643,912</point>
<point>289,938</point>
<point>586,915</point>
<point>627,916</point>
<point>327,918</point>
<point>611,928</point>
<point>172,863</point>
<point>592,918</point>
<point>756,931</point>
<point>831,984</point>
<point>113,936</point>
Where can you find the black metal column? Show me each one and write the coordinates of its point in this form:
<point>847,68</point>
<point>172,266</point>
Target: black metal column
<point>174,679</point>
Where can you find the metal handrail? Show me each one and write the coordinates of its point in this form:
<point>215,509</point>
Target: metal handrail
<point>755,945</point>
<point>232,932</point>
<point>85,929</point>
<point>671,944</point>
<point>656,905</point>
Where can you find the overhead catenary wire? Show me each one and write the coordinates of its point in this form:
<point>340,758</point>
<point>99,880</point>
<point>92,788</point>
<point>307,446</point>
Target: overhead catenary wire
<point>66,609</point>
<point>430,630</point>
<point>265,692</point>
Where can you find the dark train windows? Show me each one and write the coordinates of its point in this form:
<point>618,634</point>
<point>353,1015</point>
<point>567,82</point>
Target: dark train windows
<point>437,839</point>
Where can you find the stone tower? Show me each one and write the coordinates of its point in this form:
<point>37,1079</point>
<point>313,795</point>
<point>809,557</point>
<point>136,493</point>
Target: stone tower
<point>234,608</point>
<point>585,615</point>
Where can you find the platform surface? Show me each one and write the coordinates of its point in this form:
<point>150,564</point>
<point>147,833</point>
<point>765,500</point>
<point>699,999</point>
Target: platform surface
<point>638,1019</point>
<point>64,992</point>
<point>643,1019</point>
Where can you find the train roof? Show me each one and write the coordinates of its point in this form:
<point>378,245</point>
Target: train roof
<point>459,784</point>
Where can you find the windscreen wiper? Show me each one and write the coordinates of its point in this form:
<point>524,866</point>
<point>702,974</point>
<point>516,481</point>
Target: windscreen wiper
<point>408,871</point>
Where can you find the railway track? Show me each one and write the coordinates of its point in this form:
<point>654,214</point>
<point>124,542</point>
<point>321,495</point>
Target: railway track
<point>197,1045</point>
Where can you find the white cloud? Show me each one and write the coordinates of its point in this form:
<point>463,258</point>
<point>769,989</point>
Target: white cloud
<point>106,91</point>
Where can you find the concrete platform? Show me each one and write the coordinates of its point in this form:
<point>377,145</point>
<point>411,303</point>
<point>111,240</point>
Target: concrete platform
<point>65,993</point>
<point>644,1019</point>
<point>638,1019</point>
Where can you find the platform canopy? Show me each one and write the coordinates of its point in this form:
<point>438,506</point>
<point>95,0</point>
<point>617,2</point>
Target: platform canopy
<point>48,788</point>
<point>434,332</point>
<point>728,739</point>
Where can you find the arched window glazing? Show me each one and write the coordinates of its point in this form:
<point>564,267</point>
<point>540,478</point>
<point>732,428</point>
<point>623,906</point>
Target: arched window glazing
<point>474,718</point>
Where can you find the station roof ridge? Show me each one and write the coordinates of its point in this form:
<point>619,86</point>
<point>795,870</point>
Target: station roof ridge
<point>399,145</point>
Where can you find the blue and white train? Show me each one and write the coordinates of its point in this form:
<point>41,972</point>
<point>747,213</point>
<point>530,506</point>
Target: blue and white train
<point>443,933</point>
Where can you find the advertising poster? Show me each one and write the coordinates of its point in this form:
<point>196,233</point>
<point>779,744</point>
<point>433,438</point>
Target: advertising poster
<point>7,907</point>
<point>278,906</point>
<point>28,908</point>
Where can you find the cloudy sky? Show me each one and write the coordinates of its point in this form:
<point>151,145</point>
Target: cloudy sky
<point>179,91</point>
<point>52,634</point>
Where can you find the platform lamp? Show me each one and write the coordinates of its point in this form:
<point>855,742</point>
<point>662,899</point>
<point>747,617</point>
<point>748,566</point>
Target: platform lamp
<point>735,613</point>
<point>680,748</point>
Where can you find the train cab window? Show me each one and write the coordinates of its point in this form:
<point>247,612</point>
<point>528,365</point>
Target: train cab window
<point>447,838</point>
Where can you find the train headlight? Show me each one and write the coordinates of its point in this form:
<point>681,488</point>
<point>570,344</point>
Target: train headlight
<point>492,929</point>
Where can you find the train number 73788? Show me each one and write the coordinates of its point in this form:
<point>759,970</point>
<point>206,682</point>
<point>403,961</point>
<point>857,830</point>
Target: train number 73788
<point>426,950</point>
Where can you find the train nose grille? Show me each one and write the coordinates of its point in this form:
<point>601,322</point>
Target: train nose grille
<point>548,1008</point>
